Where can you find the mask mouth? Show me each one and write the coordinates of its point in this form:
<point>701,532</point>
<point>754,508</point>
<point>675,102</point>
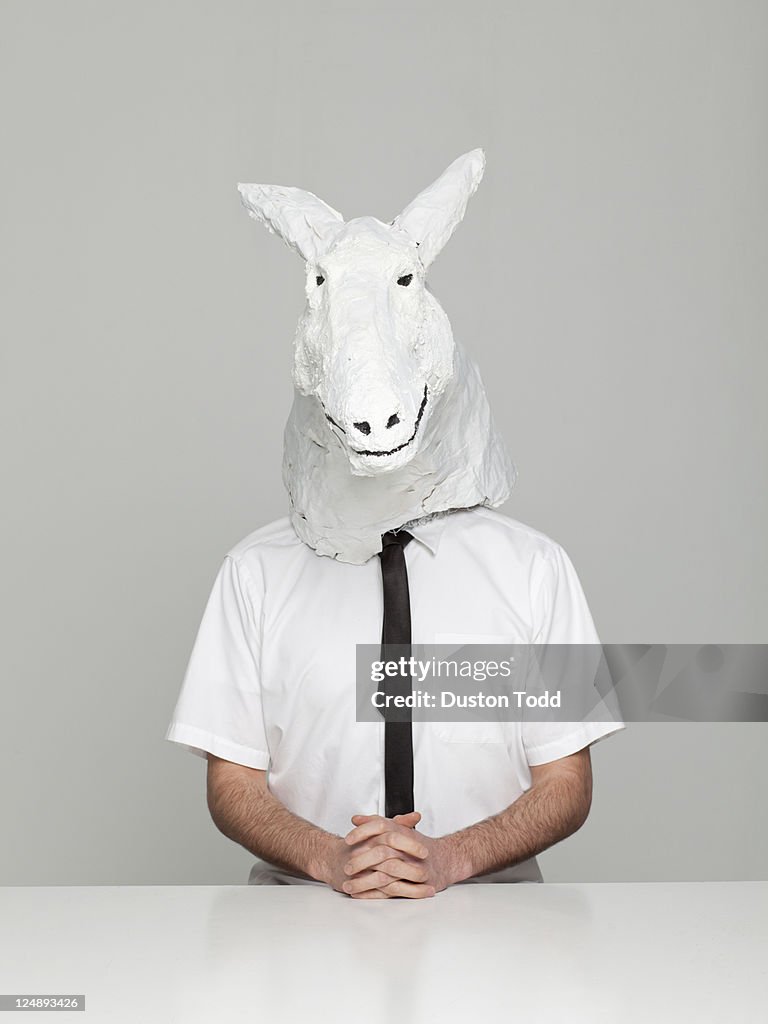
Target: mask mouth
<point>399,448</point>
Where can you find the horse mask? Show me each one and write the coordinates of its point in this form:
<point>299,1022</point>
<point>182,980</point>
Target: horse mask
<point>390,421</point>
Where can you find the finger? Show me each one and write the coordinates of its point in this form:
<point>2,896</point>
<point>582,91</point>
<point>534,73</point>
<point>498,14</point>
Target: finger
<point>374,827</point>
<point>375,856</point>
<point>369,894</point>
<point>368,880</point>
<point>410,890</point>
<point>368,844</point>
<point>375,844</point>
<point>408,870</point>
<point>358,819</point>
<point>406,842</point>
<point>410,820</point>
<point>368,857</point>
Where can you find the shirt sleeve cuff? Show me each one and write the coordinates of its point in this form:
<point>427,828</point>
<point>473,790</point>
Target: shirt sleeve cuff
<point>199,742</point>
<point>584,735</point>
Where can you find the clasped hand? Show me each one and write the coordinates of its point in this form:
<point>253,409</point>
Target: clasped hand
<point>384,857</point>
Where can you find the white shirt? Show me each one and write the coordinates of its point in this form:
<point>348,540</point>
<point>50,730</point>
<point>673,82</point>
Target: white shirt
<point>271,680</point>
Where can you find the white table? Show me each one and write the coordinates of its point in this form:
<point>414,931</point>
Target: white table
<point>678,952</point>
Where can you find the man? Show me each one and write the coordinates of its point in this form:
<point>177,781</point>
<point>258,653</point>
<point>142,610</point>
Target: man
<point>391,460</point>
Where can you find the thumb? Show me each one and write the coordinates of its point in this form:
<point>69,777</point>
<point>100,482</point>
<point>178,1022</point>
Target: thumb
<point>409,820</point>
<point>359,819</point>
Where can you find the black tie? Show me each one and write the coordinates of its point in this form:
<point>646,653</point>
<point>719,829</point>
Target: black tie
<point>396,643</point>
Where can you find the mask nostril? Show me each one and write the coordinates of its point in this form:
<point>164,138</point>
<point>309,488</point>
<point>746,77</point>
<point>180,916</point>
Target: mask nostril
<point>364,427</point>
<point>393,420</point>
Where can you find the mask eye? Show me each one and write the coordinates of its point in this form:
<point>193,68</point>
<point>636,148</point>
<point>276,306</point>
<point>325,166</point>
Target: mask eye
<point>319,279</point>
<point>405,280</point>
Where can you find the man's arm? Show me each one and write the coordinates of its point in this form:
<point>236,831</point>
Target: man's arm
<point>556,805</point>
<point>244,810</point>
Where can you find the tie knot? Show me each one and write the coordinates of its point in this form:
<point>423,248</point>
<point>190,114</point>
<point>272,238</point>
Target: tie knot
<point>391,537</point>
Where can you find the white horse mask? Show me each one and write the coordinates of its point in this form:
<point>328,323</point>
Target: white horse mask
<point>390,421</point>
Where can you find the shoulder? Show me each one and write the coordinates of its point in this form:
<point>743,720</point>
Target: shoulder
<point>558,606</point>
<point>275,536</point>
<point>501,534</point>
<point>267,547</point>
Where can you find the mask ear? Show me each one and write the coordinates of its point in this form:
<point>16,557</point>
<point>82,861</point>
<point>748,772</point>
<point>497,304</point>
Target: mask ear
<point>304,222</point>
<point>435,213</point>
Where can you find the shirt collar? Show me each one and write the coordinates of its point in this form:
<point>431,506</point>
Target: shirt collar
<point>429,532</point>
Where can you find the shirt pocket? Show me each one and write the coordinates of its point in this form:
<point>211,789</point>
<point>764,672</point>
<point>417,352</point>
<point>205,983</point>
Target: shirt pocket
<point>490,732</point>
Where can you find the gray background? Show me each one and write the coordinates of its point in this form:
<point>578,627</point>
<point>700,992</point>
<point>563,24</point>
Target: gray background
<point>609,278</point>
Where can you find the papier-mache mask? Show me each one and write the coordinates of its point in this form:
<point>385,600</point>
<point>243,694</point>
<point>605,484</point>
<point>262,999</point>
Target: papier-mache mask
<point>390,421</point>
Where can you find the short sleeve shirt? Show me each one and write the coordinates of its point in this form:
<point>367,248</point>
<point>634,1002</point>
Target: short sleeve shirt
<point>271,680</point>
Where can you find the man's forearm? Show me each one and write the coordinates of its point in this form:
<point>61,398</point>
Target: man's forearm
<point>548,812</point>
<point>250,815</point>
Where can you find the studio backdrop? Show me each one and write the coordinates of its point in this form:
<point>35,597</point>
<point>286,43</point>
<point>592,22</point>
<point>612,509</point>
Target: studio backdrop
<point>609,283</point>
